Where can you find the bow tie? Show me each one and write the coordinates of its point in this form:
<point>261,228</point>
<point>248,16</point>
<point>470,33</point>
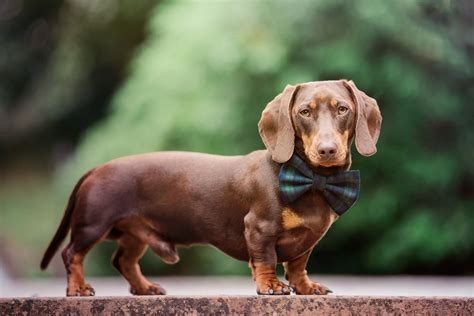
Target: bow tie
<point>340,190</point>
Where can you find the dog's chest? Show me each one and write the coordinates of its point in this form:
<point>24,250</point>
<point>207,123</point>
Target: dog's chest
<point>303,224</point>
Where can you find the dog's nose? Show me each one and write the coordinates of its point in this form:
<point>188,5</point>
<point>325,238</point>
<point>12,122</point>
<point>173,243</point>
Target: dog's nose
<point>327,150</point>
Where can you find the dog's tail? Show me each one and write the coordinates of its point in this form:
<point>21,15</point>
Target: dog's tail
<point>63,228</point>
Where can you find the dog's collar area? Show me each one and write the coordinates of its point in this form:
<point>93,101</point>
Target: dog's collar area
<point>340,190</point>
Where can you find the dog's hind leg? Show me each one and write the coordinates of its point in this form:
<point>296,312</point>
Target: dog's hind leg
<point>125,260</point>
<point>73,262</point>
<point>83,237</point>
<point>73,257</point>
<point>164,249</point>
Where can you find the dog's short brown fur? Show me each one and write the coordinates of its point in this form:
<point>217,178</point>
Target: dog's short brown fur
<point>163,200</point>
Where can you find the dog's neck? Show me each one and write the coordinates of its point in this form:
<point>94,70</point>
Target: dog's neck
<point>299,150</point>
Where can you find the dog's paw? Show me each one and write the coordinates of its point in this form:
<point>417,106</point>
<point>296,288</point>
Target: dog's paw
<point>311,288</point>
<point>153,289</point>
<point>84,290</point>
<point>273,287</point>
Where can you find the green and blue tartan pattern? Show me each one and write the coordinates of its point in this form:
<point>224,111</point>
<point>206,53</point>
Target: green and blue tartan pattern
<point>340,190</point>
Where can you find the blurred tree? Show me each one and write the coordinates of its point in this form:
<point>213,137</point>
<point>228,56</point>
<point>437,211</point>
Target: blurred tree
<point>207,70</point>
<point>60,62</point>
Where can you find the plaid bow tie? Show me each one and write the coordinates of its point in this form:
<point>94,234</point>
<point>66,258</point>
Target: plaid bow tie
<point>340,190</point>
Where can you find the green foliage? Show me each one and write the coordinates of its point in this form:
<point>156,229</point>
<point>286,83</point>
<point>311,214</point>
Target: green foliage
<point>207,69</point>
<point>59,63</point>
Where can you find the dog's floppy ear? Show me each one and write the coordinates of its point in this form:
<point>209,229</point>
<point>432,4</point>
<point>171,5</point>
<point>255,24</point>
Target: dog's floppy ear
<point>368,120</point>
<point>275,125</point>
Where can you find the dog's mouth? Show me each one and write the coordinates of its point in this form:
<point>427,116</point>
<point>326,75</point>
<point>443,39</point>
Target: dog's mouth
<point>336,161</point>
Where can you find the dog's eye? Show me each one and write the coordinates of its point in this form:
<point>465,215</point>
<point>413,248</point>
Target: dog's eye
<point>305,112</point>
<point>342,110</point>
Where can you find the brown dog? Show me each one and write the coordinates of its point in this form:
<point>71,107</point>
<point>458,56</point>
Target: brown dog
<point>167,199</point>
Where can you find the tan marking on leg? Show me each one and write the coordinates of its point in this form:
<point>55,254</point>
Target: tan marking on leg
<point>266,279</point>
<point>76,285</point>
<point>76,275</point>
<point>252,269</point>
<point>290,219</point>
<point>296,274</point>
<point>130,251</point>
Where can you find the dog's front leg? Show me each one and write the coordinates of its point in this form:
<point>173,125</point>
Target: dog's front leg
<point>260,236</point>
<point>296,274</point>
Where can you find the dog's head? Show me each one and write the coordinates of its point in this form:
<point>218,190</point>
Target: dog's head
<point>321,119</point>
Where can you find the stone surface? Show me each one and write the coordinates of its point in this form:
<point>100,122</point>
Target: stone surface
<point>247,305</point>
<point>244,285</point>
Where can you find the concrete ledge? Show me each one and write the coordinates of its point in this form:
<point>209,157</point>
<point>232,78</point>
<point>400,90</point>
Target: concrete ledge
<point>305,305</point>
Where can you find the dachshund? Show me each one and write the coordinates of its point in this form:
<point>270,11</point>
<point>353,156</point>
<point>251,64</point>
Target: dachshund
<point>163,200</point>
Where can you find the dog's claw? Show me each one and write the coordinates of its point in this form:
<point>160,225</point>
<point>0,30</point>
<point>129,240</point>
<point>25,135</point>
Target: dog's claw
<point>273,287</point>
<point>154,289</point>
<point>329,291</point>
<point>160,290</point>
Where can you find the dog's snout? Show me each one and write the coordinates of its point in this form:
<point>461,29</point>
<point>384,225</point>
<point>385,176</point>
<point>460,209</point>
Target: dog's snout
<point>327,150</point>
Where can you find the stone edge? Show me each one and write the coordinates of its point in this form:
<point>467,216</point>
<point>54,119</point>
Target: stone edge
<point>303,305</point>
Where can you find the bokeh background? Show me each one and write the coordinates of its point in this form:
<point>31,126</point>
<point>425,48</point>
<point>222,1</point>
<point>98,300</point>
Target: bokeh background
<point>85,81</point>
